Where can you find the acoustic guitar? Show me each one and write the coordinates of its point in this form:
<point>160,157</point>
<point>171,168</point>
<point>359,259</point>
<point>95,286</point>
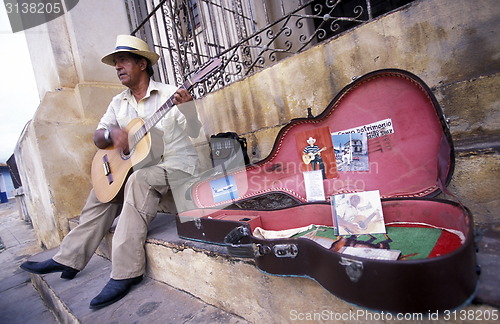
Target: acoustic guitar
<point>111,166</point>
<point>359,224</point>
<point>307,158</point>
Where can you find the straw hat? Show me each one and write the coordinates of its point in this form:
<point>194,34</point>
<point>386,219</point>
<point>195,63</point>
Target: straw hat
<point>127,43</point>
<point>311,141</point>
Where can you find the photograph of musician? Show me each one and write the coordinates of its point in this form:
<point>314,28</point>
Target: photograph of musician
<point>312,155</point>
<point>358,214</point>
<point>138,206</point>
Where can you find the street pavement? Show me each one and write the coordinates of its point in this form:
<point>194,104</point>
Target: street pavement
<point>150,302</point>
<point>19,301</point>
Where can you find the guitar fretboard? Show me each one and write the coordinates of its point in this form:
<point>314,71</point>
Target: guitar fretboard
<point>158,115</point>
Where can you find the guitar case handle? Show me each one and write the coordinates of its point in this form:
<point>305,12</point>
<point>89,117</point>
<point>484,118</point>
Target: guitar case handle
<point>246,250</point>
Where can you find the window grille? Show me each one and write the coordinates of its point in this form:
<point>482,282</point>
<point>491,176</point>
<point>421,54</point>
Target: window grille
<point>248,35</point>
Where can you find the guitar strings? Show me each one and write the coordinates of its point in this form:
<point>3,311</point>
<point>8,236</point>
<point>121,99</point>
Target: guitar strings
<point>155,118</point>
<point>206,69</point>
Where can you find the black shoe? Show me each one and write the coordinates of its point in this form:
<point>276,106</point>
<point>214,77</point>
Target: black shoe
<point>49,266</point>
<point>113,292</point>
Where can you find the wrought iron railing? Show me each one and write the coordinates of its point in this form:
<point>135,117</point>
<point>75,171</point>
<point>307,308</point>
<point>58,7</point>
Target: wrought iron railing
<point>248,35</point>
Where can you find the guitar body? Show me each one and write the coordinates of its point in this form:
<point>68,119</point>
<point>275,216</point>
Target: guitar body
<point>111,167</point>
<point>307,158</point>
<point>361,224</point>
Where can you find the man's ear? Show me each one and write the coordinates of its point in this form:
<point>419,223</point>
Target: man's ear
<point>143,64</point>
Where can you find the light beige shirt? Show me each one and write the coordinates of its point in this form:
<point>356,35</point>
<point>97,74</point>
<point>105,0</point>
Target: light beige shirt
<point>179,153</point>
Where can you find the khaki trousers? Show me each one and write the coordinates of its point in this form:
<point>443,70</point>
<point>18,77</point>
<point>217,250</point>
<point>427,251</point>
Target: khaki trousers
<point>142,194</point>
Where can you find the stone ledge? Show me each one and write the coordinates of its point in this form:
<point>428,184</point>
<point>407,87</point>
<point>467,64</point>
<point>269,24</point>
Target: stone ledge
<point>475,181</point>
<point>236,286</point>
<point>479,144</point>
<point>149,302</point>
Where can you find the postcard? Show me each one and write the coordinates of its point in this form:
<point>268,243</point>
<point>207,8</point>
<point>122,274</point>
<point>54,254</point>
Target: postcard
<point>371,253</point>
<point>351,151</point>
<point>224,189</point>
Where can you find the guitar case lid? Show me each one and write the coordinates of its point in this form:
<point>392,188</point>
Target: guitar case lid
<point>410,151</point>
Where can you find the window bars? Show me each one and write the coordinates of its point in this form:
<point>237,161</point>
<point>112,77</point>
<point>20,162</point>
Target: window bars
<point>248,35</point>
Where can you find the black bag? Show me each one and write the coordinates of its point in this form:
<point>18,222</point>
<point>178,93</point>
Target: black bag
<point>228,151</point>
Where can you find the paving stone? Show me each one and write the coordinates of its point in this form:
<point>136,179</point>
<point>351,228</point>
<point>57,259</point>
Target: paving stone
<point>149,302</point>
<point>20,303</point>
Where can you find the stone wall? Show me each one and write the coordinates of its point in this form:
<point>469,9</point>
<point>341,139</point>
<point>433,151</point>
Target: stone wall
<point>451,44</point>
<point>54,154</point>
<point>56,148</point>
<point>457,57</point>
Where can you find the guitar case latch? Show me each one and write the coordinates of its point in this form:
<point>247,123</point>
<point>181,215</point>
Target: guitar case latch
<point>285,250</point>
<point>247,250</point>
<point>353,268</point>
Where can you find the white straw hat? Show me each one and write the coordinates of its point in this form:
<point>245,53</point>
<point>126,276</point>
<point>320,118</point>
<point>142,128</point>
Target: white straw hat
<point>128,43</point>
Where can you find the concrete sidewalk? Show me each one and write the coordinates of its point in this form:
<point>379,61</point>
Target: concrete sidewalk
<point>150,302</point>
<point>19,301</point>
<point>156,302</point>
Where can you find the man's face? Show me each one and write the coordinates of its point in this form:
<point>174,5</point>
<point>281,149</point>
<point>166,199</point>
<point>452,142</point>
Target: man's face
<point>128,69</point>
<point>355,200</point>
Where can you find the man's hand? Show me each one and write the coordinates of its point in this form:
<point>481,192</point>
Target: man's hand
<point>118,138</point>
<point>182,96</point>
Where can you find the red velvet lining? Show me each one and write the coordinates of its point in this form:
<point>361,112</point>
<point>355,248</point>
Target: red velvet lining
<point>402,164</point>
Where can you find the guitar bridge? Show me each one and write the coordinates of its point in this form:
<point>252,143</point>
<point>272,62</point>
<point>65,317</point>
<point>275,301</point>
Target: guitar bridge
<point>107,169</point>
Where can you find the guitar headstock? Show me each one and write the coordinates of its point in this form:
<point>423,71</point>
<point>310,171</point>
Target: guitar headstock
<point>207,69</point>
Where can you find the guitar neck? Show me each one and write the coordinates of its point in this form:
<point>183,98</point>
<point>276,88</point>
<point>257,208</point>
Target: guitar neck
<point>206,70</point>
<point>368,219</point>
<point>158,115</point>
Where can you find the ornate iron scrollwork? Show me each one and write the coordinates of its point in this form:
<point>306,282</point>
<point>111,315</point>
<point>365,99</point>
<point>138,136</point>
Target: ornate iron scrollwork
<point>247,35</point>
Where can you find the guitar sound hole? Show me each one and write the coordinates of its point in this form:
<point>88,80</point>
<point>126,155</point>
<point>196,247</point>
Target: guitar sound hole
<point>125,155</point>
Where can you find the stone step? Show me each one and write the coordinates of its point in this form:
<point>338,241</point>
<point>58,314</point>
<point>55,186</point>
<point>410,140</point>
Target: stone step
<point>237,286</point>
<point>17,294</point>
<point>232,284</point>
<point>150,302</point>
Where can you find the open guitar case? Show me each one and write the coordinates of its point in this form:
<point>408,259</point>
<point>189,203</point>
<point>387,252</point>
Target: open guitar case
<point>409,167</point>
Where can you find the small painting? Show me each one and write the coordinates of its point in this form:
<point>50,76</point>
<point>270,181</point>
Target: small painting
<point>315,150</point>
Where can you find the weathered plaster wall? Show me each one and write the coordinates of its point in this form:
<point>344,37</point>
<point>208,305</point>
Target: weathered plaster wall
<point>55,151</point>
<point>421,38</point>
<point>68,49</point>
<point>458,57</point>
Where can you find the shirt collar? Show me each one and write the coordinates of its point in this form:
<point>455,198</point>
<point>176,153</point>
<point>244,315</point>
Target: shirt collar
<point>153,86</point>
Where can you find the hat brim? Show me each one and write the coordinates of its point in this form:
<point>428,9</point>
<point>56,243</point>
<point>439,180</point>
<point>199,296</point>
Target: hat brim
<point>151,56</point>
